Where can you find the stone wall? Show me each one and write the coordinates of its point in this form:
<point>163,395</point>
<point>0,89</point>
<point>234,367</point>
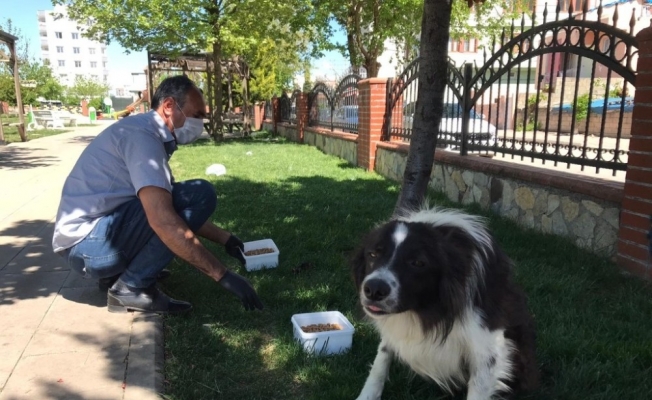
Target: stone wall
<point>590,222</point>
<point>341,145</point>
<point>612,121</point>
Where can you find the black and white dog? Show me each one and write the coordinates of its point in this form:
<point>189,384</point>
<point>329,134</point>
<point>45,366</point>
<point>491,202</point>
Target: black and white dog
<point>439,290</point>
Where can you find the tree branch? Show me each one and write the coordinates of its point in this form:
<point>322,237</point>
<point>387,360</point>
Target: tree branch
<point>358,31</point>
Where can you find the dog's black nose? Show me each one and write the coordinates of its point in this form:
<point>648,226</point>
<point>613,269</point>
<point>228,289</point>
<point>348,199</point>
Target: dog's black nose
<point>376,289</point>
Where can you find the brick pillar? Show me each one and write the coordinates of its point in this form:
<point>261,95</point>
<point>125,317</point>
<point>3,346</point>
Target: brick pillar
<point>302,114</point>
<point>259,109</point>
<point>371,111</point>
<point>276,111</point>
<point>636,209</point>
<point>84,107</point>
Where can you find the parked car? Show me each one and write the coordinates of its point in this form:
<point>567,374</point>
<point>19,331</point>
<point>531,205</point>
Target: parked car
<point>481,131</point>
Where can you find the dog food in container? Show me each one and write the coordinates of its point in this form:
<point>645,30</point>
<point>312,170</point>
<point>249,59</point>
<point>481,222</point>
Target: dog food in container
<point>260,254</point>
<point>323,333</point>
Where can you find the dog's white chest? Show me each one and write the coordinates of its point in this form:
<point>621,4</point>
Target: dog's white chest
<point>441,362</point>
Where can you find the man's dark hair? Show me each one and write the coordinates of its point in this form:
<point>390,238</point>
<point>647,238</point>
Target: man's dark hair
<point>176,87</point>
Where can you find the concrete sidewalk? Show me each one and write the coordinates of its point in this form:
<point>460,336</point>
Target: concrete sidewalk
<point>57,340</point>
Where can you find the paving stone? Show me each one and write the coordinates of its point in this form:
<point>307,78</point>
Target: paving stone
<point>78,321</point>
<point>11,348</point>
<point>70,376</point>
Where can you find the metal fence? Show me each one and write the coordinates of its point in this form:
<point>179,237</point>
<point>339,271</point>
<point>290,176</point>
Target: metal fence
<point>269,110</point>
<point>284,107</point>
<point>335,108</point>
<point>319,106</point>
<point>560,91</point>
<point>293,107</point>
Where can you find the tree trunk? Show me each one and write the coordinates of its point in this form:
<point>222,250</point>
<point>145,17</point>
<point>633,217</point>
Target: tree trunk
<point>372,66</point>
<point>217,87</point>
<point>230,90</point>
<point>433,71</point>
<point>245,104</point>
<point>354,59</point>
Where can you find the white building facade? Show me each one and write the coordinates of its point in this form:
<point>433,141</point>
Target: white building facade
<point>67,51</point>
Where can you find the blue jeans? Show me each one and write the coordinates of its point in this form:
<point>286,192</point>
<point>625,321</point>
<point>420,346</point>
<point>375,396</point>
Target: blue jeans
<point>122,243</point>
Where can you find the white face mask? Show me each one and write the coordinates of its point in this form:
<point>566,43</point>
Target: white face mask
<point>191,129</point>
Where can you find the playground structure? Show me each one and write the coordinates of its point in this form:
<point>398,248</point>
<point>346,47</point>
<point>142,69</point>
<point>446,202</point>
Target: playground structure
<point>131,107</point>
<point>10,41</point>
<point>201,69</point>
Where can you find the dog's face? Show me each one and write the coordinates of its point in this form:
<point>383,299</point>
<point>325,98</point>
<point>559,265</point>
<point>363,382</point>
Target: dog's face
<point>409,266</point>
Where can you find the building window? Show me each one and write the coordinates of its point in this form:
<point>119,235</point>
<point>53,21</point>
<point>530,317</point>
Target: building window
<point>94,77</point>
<point>59,49</point>
<point>102,50</point>
<point>75,50</point>
<point>106,78</point>
<point>63,76</point>
<point>93,64</point>
<point>58,35</point>
<point>104,64</point>
<point>62,63</point>
<point>75,35</point>
<point>77,64</point>
<point>91,50</point>
<point>462,45</point>
<point>78,76</point>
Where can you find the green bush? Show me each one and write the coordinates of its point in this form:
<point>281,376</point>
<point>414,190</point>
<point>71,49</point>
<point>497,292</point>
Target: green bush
<point>582,107</point>
<point>96,102</point>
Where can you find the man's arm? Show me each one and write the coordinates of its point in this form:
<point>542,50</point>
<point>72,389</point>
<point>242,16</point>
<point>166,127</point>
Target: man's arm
<point>176,235</point>
<point>213,233</point>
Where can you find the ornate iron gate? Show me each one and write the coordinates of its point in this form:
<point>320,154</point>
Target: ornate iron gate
<point>560,91</point>
<point>335,109</point>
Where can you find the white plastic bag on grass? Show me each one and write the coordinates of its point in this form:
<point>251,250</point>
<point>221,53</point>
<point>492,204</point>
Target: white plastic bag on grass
<point>216,169</point>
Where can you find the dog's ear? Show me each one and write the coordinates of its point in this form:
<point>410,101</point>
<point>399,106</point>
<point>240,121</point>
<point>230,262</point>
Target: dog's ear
<point>358,265</point>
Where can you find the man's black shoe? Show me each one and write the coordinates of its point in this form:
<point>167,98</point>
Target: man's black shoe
<point>122,298</point>
<point>105,283</point>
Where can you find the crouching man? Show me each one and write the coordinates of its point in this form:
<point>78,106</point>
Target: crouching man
<point>122,217</point>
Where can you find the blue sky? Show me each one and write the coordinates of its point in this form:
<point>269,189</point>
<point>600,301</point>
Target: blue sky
<point>24,16</point>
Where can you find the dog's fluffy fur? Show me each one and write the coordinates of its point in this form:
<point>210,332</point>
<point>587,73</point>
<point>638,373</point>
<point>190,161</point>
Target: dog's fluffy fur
<point>439,290</point>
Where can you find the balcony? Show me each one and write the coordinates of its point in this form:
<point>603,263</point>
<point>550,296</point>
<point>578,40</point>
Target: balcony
<point>43,33</point>
<point>41,16</point>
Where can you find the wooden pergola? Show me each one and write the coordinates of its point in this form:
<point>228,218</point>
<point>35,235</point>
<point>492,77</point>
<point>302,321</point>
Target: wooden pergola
<point>196,63</point>
<point>10,41</point>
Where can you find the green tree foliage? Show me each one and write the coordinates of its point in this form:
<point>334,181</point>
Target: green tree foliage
<point>225,28</point>
<point>89,88</point>
<point>369,24</point>
<point>29,69</point>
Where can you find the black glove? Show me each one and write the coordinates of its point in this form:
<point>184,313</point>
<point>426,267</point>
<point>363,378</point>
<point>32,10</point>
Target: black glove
<point>234,247</point>
<point>241,287</point>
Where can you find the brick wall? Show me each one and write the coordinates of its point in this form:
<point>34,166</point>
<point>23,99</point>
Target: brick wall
<point>636,210</point>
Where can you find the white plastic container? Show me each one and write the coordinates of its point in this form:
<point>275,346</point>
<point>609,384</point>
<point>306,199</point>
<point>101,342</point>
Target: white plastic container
<point>269,260</point>
<point>323,343</point>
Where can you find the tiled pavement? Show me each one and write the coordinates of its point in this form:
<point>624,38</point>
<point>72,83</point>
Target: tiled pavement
<point>57,341</point>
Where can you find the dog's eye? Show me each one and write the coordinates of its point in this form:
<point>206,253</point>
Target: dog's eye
<point>418,263</point>
<point>372,254</point>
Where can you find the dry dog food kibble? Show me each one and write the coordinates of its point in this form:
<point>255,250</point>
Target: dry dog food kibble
<point>321,328</point>
<point>257,252</point>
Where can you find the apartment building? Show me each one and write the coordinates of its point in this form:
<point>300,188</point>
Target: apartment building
<point>68,52</point>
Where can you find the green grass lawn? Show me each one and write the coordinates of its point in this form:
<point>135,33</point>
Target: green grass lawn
<point>12,136</point>
<point>594,325</point>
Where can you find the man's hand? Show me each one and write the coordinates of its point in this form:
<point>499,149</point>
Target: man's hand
<point>234,247</point>
<point>239,286</point>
